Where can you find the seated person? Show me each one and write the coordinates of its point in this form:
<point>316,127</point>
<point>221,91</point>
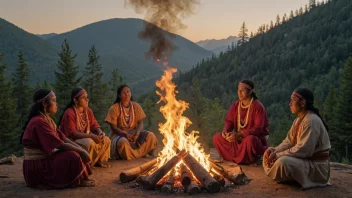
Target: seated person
<point>304,155</point>
<point>243,139</point>
<point>129,139</point>
<point>79,124</point>
<point>51,161</point>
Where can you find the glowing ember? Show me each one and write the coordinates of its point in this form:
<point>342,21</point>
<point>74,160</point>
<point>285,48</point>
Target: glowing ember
<point>174,129</point>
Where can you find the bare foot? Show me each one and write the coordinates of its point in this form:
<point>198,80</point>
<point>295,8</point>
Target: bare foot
<point>102,165</point>
<point>256,162</point>
<point>87,183</point>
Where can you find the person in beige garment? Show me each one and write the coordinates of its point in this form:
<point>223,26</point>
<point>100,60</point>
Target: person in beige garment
<point>128,138</point>
<point>304,155</point>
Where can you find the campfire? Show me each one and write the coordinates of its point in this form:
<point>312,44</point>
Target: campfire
<point>182,163</point>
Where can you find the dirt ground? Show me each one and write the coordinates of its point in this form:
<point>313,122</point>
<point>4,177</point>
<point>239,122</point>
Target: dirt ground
<point>108,184</point>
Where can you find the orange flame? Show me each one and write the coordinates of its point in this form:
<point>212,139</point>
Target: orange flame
<point>174,129</point>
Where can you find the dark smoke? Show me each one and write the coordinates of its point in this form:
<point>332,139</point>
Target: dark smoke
<point>165,14</point>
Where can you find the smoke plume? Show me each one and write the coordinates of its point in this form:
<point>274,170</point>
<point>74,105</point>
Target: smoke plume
<point>165,14</point>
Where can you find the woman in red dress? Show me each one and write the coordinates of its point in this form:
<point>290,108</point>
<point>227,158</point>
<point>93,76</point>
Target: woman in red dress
<point>51,161</point>
<point>243,139</point>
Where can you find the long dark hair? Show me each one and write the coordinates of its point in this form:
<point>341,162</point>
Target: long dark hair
<point>36,108</point>
<point>251,84</point>
<point>118,92</point>
<point>74,92</point>
<point>307,94</point>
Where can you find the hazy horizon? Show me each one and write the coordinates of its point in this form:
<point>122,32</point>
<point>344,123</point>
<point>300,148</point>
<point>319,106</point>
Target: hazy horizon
<point>211,19</point>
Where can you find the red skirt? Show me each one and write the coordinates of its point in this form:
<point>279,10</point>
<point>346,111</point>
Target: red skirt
<point>241,152</point>
<point>60,170</point>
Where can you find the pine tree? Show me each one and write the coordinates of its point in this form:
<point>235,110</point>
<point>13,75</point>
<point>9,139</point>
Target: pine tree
<point>21,89</point>
<point>297,13</point>
<point>66,77</point>
<point>312,4</point>
<point>300,11</point>
<point>329,104</point>
<point>306,9</point>
<point>342,116</point>
<point>148,108</point>
<point>95,87</point>
<point>271,24</point>
<point>291,15</point>
<point>243,34</point>
<point>284,18</point>
<point>277,20</point>
<point>9,129</point>
<point>115,81</point>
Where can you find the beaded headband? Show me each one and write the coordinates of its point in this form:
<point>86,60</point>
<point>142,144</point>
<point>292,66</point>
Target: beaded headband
<point>45,97</point>
<point>245,85</point>
<point>80,93</point>
<point>297,95</point>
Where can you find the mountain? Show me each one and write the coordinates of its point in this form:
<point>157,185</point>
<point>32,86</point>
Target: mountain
<point>218,46</point>
<point>308,50</point>
<point>46,36</point>
<point>40,54</point>
<point>120,48</point>
<point>116,41</point>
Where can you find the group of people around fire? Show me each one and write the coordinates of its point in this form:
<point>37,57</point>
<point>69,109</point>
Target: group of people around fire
<point>62,155</point>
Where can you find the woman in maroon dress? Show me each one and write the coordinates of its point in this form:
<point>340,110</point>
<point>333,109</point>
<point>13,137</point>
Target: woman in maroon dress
<point>243,139</point>
<point>51,161</point>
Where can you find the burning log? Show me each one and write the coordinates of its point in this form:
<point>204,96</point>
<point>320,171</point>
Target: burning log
<point>148,182</point>
<point>234,174</point>
<point>186,176</point>
<point>132,174</point>
<point>8,160</point>
<point>169,184</point>
<point>193,188</point>
<point>218,178</point>
<point>208,182</point>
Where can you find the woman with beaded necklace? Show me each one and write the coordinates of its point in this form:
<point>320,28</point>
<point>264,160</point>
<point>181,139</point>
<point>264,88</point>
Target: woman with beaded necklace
<point>79,124</point>
<point>128,138</point>
<point>303,156</point>
<point>243,138</point>
<point>51,161</point>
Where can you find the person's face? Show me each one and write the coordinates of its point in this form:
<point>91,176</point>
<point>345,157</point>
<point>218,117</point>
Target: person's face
<point>51,105</point>
<point>296,105</point>
<point>125,94</point>
<point>82,100</point>
<point>243,93</point>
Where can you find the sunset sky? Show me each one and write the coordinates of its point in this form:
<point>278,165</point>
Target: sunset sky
<point>212,18</point>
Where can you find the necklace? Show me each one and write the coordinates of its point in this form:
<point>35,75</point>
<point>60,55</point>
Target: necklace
<point>248,107</point>
<point>50,121</point>
<point>82,121</point>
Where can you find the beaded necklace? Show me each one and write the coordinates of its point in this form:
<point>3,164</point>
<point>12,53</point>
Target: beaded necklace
<point>248,107</point>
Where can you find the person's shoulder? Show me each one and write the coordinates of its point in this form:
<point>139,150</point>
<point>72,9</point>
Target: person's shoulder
<point>312,118</point>
<point>258,104</point>
<point>37,119</point>
<point>136,105</point>
<point>115,106</point>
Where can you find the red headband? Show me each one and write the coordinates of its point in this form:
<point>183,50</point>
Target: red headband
<point>80,93</point>
<point>45,97</point>
<point>297,95</point>
<point>245,85</point>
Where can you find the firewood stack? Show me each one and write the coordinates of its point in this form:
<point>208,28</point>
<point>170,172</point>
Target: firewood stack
<point>190,176</point>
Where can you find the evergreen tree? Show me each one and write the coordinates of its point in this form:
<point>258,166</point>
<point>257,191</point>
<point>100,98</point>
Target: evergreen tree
<point>306,8</point>
<point>329,106</point>
<point>277,20</point>
<point>9,129</point>
<point>21,89</point>
<point>300,11</point>
<point>312,4</point>
<point>243,34</point>
<point>66,77</point>
<point>115,81</point>
<point>271,24</point>
<point>148,108</point>
<point>343,114</point>
<point>284,18</point>
<point>96,89</point>
<point>291,15</point>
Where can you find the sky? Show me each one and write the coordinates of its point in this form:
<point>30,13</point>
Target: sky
<point>212,19</point>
